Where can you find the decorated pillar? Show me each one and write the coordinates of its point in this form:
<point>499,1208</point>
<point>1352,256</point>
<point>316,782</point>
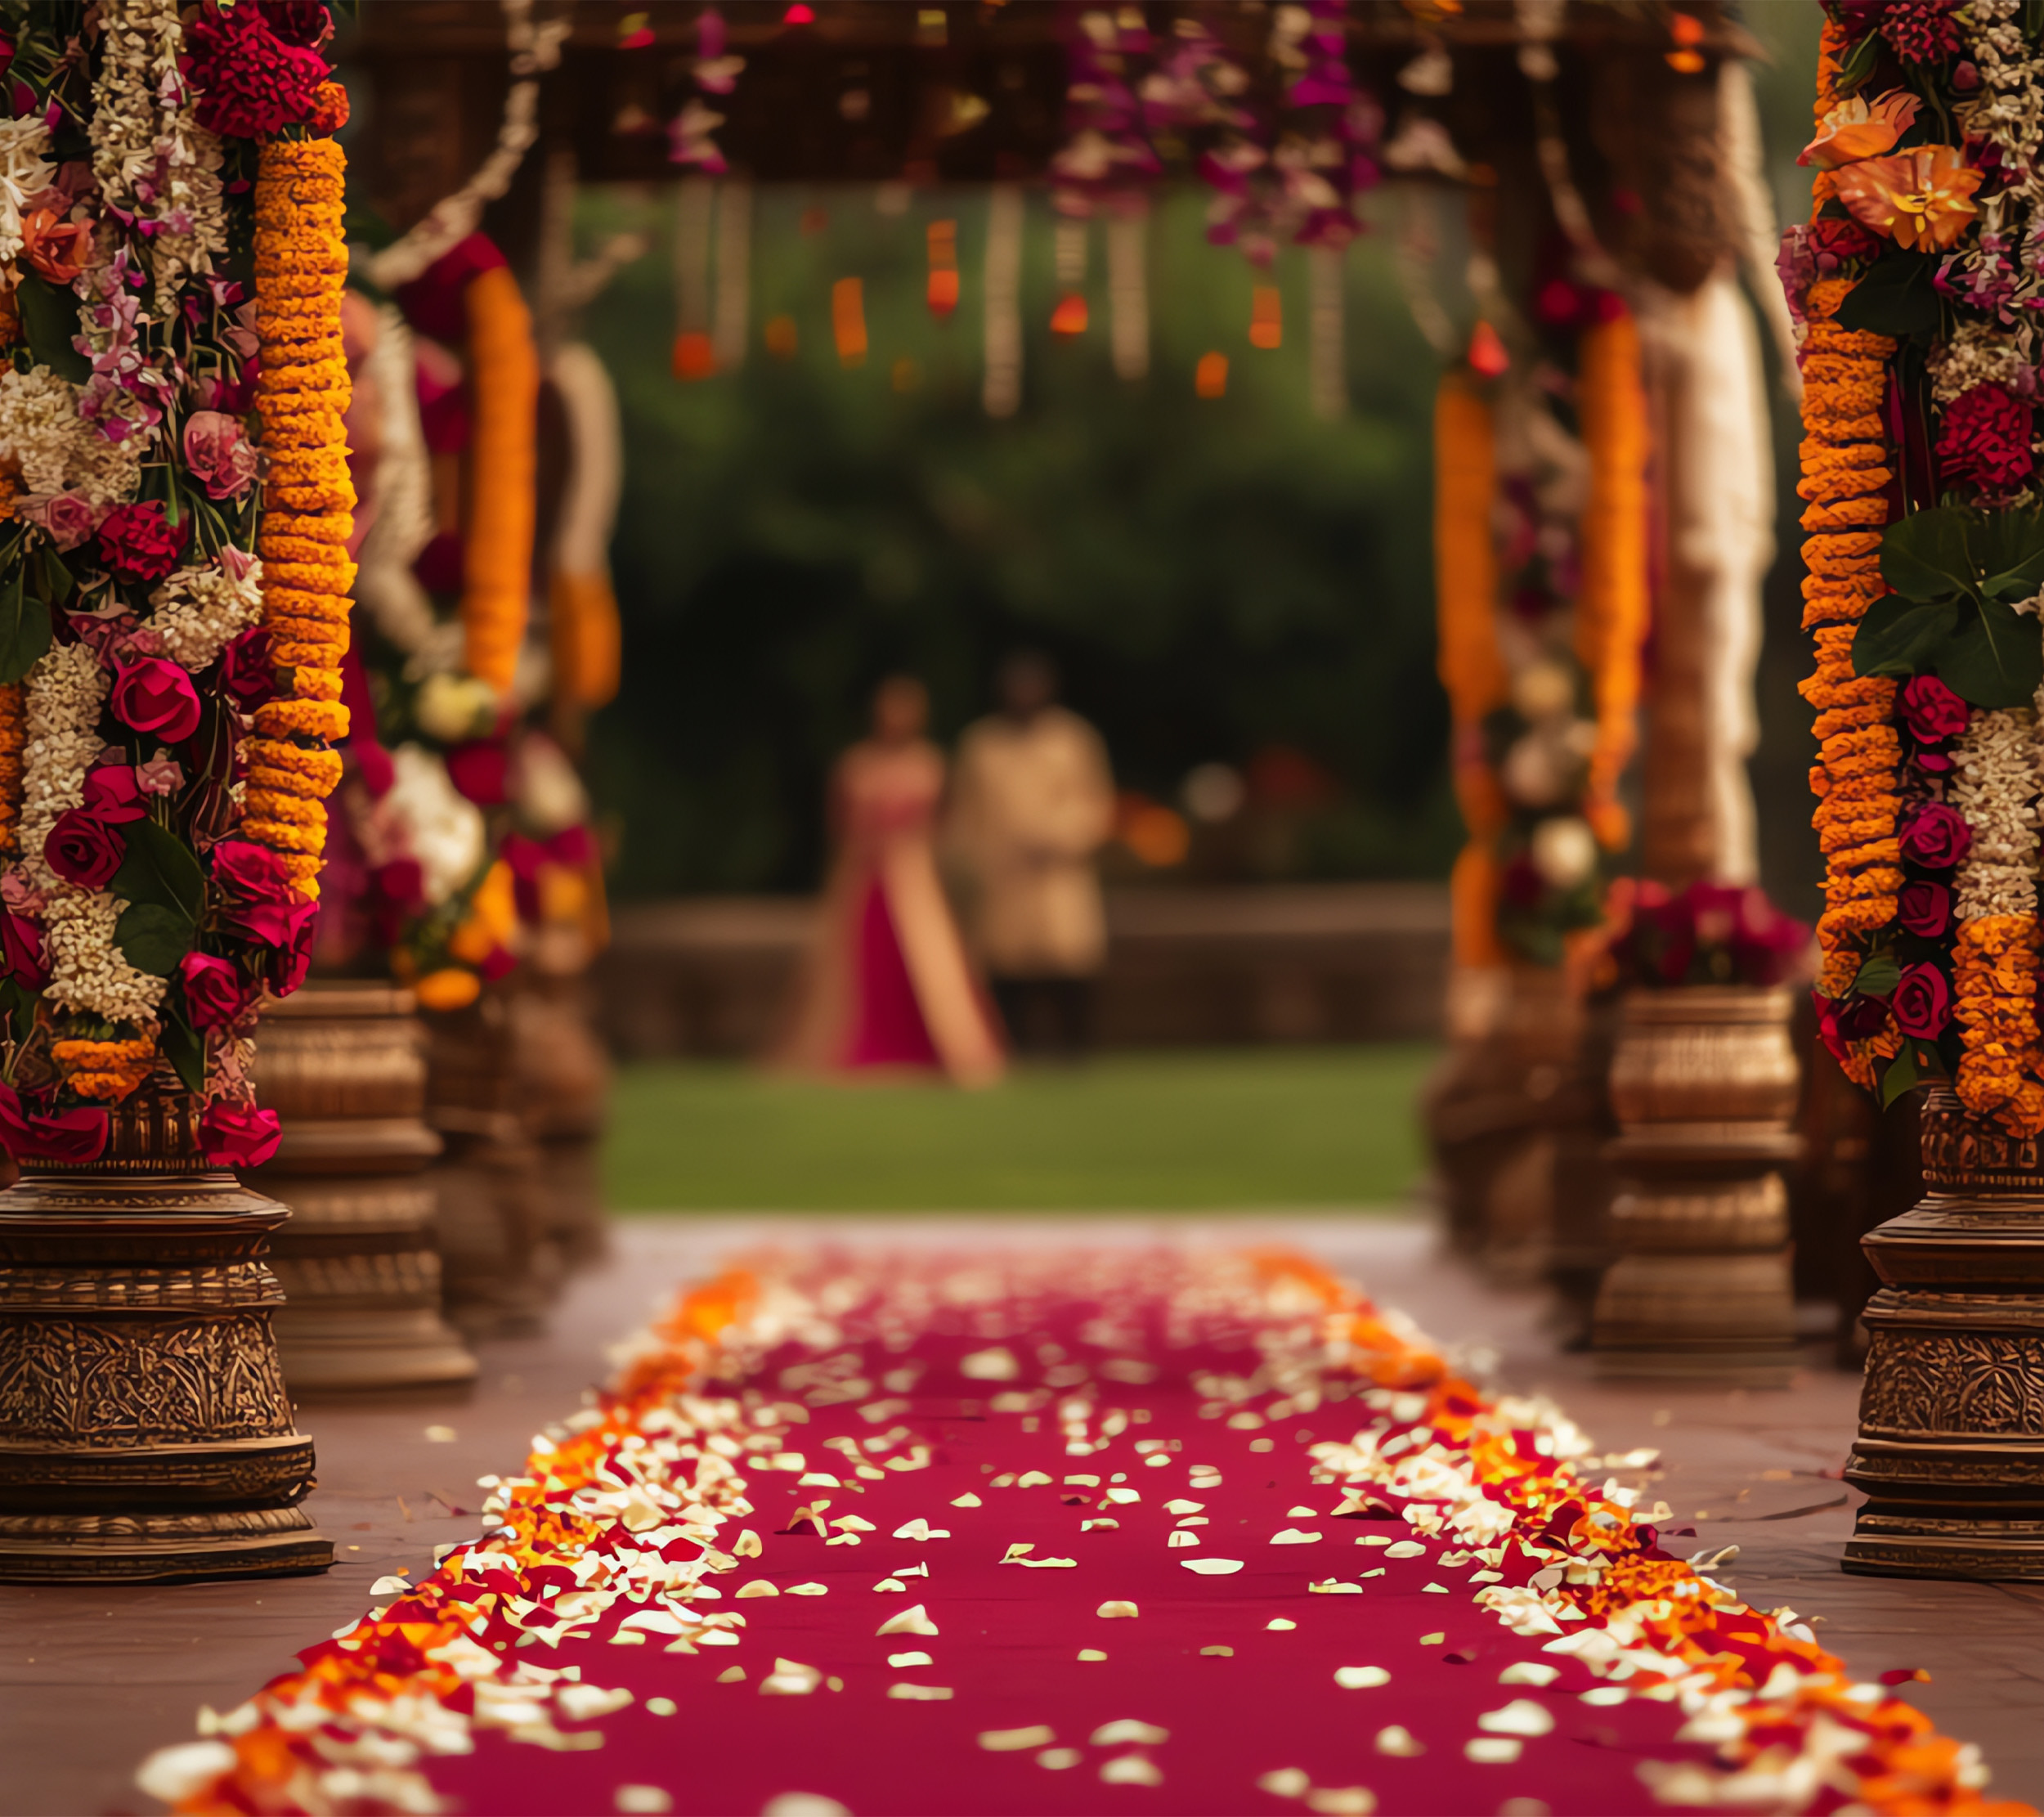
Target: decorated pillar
<point>174,637</point>
<point>1924,564</point>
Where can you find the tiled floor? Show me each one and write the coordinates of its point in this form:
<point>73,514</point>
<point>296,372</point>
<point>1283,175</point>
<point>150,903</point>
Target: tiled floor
<point>91,1680</point>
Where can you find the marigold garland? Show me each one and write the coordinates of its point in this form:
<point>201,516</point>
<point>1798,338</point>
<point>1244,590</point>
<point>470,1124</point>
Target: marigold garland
<point>1856,781</point>
<point>303,396</point>
<point>1471,667</point>
<point>497,555</point>
<point>1611,609</point>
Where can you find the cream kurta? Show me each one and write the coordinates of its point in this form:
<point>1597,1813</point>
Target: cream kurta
<point>1032,801</point>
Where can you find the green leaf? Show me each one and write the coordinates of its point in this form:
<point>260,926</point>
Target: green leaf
<point>1879,976</point>
<point>1900,637</point>
<point>1900,1076</point>
<point>1895,297</point>
<point>2008,548</point>
<point>1996,658</point>
<point>1926,556</point>
<point>153,939</point>
<point>181,1044</point>
<point>53,577</point>
<point>25,625</point>
<point>160,869</point>
<point>49,317</point>
<point>1858,63</point>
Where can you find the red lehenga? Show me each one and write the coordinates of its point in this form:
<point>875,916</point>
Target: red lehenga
<point>887,984</point>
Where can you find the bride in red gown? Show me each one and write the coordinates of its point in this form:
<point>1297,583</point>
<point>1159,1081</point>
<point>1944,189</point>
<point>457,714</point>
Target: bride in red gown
<point>887,984</point>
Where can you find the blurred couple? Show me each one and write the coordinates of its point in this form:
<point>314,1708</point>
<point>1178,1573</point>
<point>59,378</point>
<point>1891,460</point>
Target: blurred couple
<point>890,983</point>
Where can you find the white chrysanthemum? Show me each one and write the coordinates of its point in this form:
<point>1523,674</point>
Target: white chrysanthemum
<point>87,970</point>
<point>60,711</point>
<point>1994,785</point>
<point>424,816</point>
<point>1980,354</point>
<point>56,449</point>
<point>199,611</point>
<point>24,169</point>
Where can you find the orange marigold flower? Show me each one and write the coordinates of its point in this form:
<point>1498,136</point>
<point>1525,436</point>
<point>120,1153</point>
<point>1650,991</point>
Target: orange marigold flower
<point>1920,199</point>
<point>1857,129</point>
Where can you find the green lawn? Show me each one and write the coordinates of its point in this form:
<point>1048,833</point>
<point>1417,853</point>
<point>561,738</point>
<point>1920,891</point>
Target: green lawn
<point>1236,1127</point>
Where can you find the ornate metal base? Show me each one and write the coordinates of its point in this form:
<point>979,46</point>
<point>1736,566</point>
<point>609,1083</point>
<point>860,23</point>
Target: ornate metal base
<point>343,1063</point>
<point>145,1431</point>
<point>1951,1445</point>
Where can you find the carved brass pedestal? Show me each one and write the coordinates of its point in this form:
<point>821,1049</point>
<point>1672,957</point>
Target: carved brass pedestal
<point>145,1431</point>
<point>1951,1445</point>
<point>501,1261</point>
<point>1703,1084</point>
<point>343,1064</point>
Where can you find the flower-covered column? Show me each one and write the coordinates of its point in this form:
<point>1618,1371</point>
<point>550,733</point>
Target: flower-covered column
<point>170,262</point>
<point>1915,280</point>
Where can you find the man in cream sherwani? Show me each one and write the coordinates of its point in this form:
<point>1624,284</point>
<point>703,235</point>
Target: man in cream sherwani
<point>1033,801</point>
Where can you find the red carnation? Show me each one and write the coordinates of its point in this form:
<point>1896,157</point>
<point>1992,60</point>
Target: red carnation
<point>136,544</point>
<point>249,83</point>
<point>1986,439</point>
<point>1920,31</point>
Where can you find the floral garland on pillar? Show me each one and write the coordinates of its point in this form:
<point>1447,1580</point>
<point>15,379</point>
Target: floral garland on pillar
<point>1916,284</point>
<point>166,653</point>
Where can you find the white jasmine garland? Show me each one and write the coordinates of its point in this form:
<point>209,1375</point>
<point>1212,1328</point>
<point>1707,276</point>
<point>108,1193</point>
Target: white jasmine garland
<point>199,611</point>
<point>151,157</point>
<point>24,170</point>
<point>1993,784</point>
<point>56,449</point>
<point>60,712</point>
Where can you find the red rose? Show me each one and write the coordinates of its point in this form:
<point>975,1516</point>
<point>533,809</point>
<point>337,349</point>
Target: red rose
<point>113,794</point>
<point>248,672</point>
<point>22,951</point>
<point>84,849</point>
<point>482,771</point>
<point>1924,908</point>
<point>1937,838</point>
<point>1931,710</point>
<point>155,695</point>
<point>213,991</point>
<point>1985,441</point>
<point>1922,1002</point>
<point>1836,241</point>
<point>32,1135</point>
<point>136,544</point>
<point>238,1135</point>
<point>1862,1017</point>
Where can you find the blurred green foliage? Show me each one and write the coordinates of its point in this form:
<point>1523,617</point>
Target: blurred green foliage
<point>1214,576</point>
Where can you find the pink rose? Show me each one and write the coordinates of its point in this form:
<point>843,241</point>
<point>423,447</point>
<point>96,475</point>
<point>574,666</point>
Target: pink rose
<point>155,695</point>
<point>213,991</point>
<point>84,849</point>
<point>283,924</point>
<point>67,519</point>
<point>253,870</point>
<point>293,956</point>
<point>238,1135</point>
<point>32,1135</point>
<point>161,776</point>
<point>218,454</point>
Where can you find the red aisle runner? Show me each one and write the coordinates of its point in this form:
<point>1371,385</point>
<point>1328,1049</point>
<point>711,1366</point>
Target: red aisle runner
<point>1093,1532</point>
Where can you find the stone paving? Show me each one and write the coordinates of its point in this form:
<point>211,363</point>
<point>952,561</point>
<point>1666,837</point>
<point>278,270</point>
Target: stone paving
<point>92,1680</point>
